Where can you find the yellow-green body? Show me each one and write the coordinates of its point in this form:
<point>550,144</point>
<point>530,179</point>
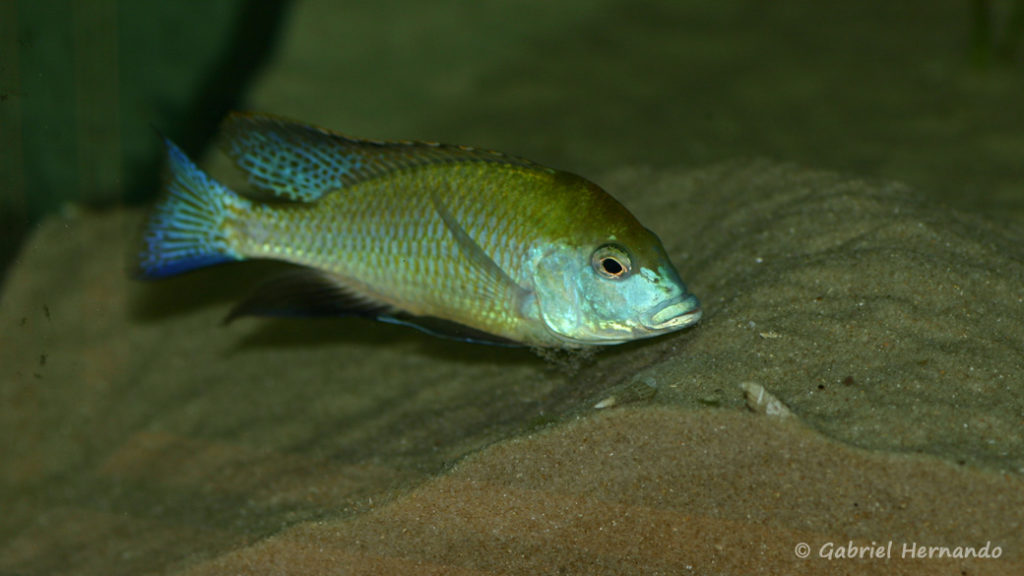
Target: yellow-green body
<point>387,242</point>
<point>416,233</point>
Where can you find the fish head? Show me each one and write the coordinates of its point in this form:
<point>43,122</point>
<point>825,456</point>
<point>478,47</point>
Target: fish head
<point>611,289</point>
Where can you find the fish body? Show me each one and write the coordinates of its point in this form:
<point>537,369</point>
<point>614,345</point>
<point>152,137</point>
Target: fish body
<point>454,240</point>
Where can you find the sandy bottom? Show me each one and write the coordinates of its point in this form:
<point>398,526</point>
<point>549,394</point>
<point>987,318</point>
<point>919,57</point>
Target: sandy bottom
<point>141,437</point>
<point>664,491</point>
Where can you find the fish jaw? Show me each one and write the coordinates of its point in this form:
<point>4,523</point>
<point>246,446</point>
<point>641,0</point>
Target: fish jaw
<point>673,314</point>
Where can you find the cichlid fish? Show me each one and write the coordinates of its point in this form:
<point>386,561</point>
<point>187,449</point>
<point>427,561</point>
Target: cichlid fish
<point>456,241</point>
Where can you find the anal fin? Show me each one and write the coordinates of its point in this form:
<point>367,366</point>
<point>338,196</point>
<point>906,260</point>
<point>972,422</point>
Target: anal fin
<point>305,292</point>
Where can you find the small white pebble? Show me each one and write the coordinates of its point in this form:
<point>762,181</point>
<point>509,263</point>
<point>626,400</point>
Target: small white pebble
<point>761,401</point>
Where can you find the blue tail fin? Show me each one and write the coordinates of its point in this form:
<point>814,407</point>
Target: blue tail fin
<point>187,227</point>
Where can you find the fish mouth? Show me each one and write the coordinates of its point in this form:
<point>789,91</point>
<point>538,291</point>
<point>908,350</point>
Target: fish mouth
<point>674,314</point>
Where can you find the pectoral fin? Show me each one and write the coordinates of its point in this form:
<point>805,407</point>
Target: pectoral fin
<point>492,281</point>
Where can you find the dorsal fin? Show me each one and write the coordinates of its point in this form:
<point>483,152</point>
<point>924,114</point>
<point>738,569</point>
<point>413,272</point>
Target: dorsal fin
<point>301,162</point>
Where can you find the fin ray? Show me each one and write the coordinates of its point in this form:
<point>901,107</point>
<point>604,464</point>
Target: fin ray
<point>186,228</point>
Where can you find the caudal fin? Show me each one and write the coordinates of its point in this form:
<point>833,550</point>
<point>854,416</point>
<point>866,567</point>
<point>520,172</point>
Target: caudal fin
<point>187,227</point>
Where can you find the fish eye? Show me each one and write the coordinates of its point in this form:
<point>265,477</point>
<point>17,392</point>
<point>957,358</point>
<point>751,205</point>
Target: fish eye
<point>611,262</point>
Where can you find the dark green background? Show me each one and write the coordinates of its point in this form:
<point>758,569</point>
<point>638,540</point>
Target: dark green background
<point>930,93</point>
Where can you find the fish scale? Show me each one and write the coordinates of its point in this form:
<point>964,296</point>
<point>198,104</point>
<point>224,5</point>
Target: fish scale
<point>454,240</point>
<point>411,262</point>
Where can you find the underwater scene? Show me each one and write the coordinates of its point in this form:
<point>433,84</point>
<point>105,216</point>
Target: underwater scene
<point>583,287</point>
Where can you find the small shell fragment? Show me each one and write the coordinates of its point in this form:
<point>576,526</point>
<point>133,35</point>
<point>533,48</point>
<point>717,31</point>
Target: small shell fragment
<point>761,401</point>
<point>606,403</point>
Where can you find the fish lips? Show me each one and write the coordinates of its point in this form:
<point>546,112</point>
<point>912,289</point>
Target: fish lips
<point>674,314</point>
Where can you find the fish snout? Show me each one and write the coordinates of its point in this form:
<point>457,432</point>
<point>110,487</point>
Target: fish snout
<point>674,314</point>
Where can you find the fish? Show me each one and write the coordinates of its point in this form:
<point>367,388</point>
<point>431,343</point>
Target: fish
<point>456,241</point>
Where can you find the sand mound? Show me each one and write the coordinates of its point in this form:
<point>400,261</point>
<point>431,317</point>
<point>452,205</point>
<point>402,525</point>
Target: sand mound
<point>145,438</point>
